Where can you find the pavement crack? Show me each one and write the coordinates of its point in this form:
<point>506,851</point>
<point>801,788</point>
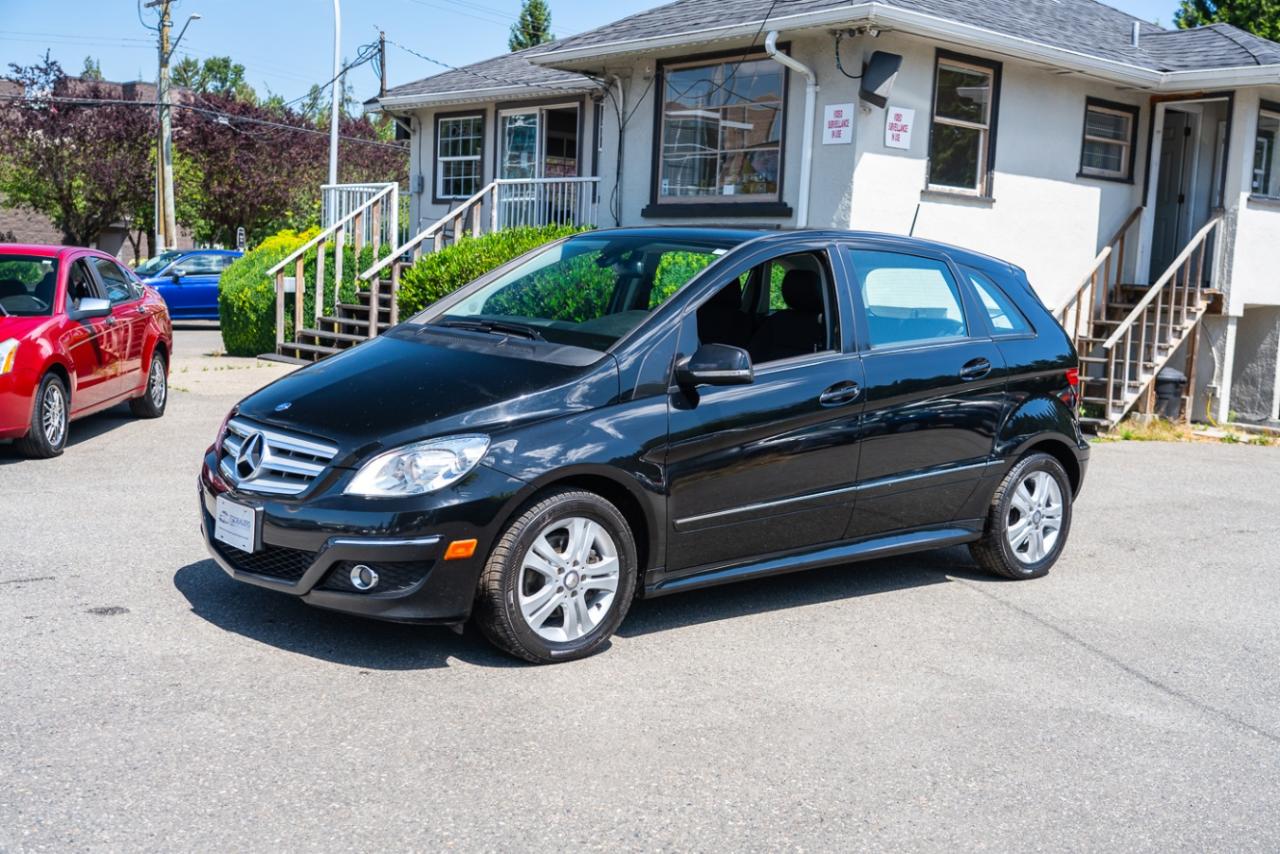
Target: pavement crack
<point>27,580</point>
<point>1202,707</point>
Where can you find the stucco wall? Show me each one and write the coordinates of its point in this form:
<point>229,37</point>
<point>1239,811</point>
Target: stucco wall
<point>1253,387</point>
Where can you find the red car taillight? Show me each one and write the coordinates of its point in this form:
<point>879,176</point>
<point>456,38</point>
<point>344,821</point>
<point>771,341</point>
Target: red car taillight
<point>1071,397</point>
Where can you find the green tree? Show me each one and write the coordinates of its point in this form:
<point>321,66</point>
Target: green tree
<point>217,75</point>
<point>92,69</point>
<point>533,27</point>
<point>1260,17</point>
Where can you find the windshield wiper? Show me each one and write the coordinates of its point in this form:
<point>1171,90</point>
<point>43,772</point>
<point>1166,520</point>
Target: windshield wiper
<point>3,309</point>
<point>501,327</point>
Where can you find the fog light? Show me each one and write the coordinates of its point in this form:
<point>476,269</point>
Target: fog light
<point>363,577</point>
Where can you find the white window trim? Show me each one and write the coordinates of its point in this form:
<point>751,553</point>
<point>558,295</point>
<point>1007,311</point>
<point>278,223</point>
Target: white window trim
<point>540,110</point>
<point>1126,145</point>
<point>1263,112</point>
<point>719,198</point>
<point>985,139</point>
<point>438,189</point>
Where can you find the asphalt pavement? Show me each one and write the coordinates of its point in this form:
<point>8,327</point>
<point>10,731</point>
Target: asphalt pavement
<point>1128,701</point>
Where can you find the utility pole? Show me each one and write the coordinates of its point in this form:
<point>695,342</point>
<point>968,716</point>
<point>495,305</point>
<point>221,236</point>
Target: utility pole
<point>166,236</point>
<point>165,215</point>
<point>382,63</point>
<point>334,111</point>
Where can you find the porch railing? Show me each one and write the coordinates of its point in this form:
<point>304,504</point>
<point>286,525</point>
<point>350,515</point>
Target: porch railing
<point>1089,303</point>
<point>339,200</point>
<point>1148,336</point>
<point>372,221</point>
<point>545,201</point>
<point>505,203</point>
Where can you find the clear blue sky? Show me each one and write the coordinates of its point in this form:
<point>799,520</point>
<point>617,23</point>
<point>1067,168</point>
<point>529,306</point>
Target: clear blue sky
<point>286,45</point>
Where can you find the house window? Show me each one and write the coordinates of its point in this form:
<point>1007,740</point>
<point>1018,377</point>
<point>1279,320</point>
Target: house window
<point>1110,139</point>
<point>1266,155</point>
<point>459,143</point>
<point>720,138</point>
<point>962,138</point>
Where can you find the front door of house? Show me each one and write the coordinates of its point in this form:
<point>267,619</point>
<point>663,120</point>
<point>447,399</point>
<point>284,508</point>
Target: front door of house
<point>537,145</point>
<point>1172,190</point>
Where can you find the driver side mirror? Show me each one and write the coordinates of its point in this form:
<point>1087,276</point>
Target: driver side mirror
<point>90,307</point>
<point>715,364</point>
<point>177,273</point>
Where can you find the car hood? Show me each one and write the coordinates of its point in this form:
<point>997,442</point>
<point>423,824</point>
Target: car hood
<point>23,327</point>
<point>402,387</point>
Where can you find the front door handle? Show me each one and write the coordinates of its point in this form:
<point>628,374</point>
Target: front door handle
<point>840,394</point>
<point>975,369</point>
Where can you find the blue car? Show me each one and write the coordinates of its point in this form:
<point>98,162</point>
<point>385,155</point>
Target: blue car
<point>188,280</point>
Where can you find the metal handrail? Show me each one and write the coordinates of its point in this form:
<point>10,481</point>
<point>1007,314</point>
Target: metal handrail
<point>330,231</point>
<point>1158,288</point>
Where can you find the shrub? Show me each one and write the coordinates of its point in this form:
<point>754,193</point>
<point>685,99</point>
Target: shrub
<point>441,273</point>
<point>247,295</point>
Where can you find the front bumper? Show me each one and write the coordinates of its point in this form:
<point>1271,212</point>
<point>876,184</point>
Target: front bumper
<point>309,545</point>
<point>16,400</point>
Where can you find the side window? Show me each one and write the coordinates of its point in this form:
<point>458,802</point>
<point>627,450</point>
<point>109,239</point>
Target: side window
<point>781,309</point>
<point>80,285</point>
<point>907,298</point>
<point>1005,317</point>
<point>201,265</point>
<point>119,287</point>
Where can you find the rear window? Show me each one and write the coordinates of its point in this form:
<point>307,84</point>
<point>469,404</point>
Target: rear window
<point>27,285</point>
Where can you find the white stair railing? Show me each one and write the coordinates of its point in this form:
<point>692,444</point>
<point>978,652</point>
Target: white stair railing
<point>375,220</point>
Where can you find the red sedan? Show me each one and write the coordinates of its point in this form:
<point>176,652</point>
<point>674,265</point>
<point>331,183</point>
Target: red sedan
<point>78,333</point>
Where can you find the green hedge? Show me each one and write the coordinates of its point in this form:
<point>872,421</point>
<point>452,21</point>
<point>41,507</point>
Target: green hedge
<point>441,273</point>
<point>247,295</point>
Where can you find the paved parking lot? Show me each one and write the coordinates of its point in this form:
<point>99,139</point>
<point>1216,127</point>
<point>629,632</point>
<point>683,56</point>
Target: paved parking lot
<point>1128,701</point>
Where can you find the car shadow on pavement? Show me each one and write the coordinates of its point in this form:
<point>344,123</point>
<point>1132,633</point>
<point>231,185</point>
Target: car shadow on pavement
<point>282,621</point>
<point>809,587</point>
<point>83,430</point>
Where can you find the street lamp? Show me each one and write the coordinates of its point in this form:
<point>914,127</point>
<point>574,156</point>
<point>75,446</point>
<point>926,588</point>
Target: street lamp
<point>337,92</point>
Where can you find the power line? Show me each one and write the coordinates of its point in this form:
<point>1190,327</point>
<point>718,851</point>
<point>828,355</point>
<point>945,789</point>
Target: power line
<point>487,77</point>
<point>218,115</point>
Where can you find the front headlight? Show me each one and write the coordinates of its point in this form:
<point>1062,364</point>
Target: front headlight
<point>419,468</point>
<point>8,355</point>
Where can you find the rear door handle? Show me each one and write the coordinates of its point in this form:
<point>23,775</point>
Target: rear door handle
<point>975,369</point>
<point>840,394</point>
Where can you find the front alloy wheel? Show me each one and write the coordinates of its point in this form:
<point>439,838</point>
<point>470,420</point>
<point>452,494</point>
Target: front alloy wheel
<point>560,579</point>
<point>50,416</point>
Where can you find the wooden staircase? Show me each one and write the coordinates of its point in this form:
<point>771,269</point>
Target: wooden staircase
<point>1126,333</point>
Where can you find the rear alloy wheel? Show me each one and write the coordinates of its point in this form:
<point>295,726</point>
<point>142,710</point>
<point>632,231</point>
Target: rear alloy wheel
<point>1028,521</point>
<point>560,580</point>
<point>156,395</point>
<point>49,419</point>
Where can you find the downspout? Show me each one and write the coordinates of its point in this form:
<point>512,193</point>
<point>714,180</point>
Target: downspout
<point>810,112</point>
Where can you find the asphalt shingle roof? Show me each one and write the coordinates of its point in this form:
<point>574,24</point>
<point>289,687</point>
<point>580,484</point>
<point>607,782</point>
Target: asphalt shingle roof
<point>510,69</point>
<point>1083,26</point>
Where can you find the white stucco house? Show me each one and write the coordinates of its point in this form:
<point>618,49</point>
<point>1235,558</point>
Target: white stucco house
<point>1132,171</point>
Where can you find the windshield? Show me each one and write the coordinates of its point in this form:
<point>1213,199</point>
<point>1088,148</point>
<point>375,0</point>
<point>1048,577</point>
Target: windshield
<point>27,285</point>
<point>154,265</point>
<point>588,291</point>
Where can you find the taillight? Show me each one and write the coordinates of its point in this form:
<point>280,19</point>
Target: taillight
<point>1071,397</point>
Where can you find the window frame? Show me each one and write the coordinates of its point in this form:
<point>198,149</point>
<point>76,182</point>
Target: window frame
<point>987,159</point>
<point>437,178</point>
<point>1271,109</point>
<point>1134,113</point>
<point>105,286</point>
<point>660,206</point>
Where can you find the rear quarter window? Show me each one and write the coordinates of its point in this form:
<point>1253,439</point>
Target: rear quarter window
<point>1003,315</point>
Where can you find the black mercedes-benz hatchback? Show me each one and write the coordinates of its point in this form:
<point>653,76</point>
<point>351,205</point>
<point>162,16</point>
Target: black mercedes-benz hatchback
<point>636,412</point>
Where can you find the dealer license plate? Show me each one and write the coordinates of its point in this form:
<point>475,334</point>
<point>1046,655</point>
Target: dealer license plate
<point>236,525</point>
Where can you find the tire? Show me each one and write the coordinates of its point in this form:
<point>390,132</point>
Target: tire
<point>50,418</point>
<point>1017,543</point>
<point>568,561</point>
<point>156,394</point>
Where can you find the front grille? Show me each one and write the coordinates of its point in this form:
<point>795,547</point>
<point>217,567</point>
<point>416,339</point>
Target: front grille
<point>392,576</point>
<point>278,463</point>
<point>276,562</point>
